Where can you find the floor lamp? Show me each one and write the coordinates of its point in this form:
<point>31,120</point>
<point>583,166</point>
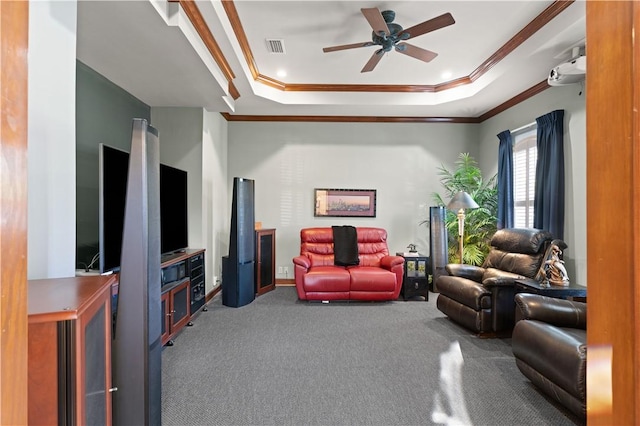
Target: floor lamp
<point>458,203</point>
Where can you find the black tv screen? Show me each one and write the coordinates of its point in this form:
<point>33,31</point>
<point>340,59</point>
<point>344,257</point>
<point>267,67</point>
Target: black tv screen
<point>173,209</point>
<point>113,169</point>
<point>114,166</point>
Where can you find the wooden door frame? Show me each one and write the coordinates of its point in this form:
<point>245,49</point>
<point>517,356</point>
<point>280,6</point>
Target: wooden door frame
<point>14,32</point>
<point>613,205</point>
<point>613,209</point>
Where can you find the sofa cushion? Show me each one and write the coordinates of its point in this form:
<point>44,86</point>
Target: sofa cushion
<point>526,265</point>
<point>521,240</point>
<point>559,354</point>
<point>370,278</point>
<point>372,245</point>
<point>317,245</point>
<point>326,279</point>
<point>518,250</point>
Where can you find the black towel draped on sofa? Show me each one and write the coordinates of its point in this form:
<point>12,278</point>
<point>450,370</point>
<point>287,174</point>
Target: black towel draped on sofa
<point>345,245</point>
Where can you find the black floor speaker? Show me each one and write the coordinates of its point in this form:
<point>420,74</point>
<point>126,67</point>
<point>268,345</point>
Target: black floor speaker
<point>238,269</point>
<point>438,242</point>
<point>137,347</point>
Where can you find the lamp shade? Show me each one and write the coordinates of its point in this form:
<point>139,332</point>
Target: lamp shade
<point>462,200</point>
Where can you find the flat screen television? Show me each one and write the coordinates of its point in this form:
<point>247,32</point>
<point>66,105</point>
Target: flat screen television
<point>173,209</point>
<point>113,169</point>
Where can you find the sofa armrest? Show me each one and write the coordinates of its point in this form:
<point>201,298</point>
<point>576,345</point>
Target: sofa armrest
<point>496,277</point>
<point>558,312</point>
<point>388,262</point>
<point>470,272</point>
<point>303,261</point>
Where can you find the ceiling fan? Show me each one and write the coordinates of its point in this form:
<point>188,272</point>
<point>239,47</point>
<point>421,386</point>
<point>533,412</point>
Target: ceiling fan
<point>389,35</point>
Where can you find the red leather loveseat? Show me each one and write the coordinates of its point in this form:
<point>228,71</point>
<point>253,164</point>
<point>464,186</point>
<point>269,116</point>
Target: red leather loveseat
<point>378,276</point>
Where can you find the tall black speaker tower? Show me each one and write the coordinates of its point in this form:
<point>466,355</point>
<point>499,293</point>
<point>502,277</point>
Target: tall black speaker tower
<point>238,281</point>
<point>137,347</point>
<point>438,243</point>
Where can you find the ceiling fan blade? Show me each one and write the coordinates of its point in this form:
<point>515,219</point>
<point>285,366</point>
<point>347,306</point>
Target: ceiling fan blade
<point>373,61</point>
<point>427,26</point>
<point>416,52</point>
<point>347,46</point>
<point>375,19</point>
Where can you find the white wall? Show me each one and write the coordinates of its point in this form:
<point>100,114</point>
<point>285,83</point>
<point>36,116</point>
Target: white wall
<point>195,140</point>
<point>216,200</point>
<point>180,134</point>
<point>288,160</point>
<point>52,139</point>
<point>575,140</point>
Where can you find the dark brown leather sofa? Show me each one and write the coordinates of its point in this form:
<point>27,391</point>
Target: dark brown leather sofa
<point>549,343</point>
<point>481,298</point>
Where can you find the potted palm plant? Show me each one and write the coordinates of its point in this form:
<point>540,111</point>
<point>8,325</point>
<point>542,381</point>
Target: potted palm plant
<point>480,224</point>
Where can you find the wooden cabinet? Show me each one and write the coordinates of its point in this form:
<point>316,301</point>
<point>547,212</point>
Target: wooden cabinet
<point>183,291</point>
<point>265,268</point>
<point>175,310</point>
<point>416,278</point>
<point>69,349</point>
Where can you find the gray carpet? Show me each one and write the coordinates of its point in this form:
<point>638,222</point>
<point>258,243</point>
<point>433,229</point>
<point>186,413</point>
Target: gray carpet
<point>280,361</point>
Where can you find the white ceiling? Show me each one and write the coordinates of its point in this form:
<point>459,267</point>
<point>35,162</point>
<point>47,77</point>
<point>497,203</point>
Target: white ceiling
<point>150,49</point>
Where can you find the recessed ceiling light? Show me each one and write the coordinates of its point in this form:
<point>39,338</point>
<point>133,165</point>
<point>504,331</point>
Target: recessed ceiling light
<point>446,74</point>
<point>281,73</point>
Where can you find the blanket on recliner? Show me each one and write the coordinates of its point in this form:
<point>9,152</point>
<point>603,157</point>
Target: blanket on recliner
<point>345,245</point>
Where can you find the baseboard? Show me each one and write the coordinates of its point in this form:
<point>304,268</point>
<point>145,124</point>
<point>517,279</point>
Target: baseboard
<point>212,293</point>
<point>279,283</point>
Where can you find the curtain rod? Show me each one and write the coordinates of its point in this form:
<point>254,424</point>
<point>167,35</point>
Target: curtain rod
<point>525,127</point>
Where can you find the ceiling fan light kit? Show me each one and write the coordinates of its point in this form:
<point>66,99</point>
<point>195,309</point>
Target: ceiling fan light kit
<point>389,35</point>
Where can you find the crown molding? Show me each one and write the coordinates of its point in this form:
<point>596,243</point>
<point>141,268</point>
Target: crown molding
<point>348,119</point>
<point>197,20</point>
<point>529,30</point>
<point>532,91</point>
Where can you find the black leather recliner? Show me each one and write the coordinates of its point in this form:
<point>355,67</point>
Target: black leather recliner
<point>481,298</point>
<point>549,343</point>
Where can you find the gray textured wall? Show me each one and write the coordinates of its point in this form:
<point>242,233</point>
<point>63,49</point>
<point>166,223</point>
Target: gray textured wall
<point>103,115</point>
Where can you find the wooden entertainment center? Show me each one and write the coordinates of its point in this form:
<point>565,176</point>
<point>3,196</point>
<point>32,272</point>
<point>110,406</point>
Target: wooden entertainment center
<point>183,291</point>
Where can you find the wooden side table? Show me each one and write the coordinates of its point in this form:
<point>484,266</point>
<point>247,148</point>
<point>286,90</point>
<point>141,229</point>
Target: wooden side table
<point>415,281</point>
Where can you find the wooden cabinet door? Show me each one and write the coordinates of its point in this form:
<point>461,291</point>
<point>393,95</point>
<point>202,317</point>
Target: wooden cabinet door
<point>265,274</point>
<point>93,340</point>
<point>180,304</point>
<point>166,317</point>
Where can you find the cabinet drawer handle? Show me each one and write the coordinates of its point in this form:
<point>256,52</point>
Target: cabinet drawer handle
<point>113,389</point>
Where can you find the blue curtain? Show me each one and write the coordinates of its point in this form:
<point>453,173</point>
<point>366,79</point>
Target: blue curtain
<point>505,180</point>
<point>548,208</point>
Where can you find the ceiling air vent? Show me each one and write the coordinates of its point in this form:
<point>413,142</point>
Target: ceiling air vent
<point>275,45</point>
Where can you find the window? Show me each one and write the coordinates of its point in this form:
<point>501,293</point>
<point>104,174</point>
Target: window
<point>525,154</point>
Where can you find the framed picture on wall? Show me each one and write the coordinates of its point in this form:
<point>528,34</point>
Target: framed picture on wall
<point>345,202</point>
